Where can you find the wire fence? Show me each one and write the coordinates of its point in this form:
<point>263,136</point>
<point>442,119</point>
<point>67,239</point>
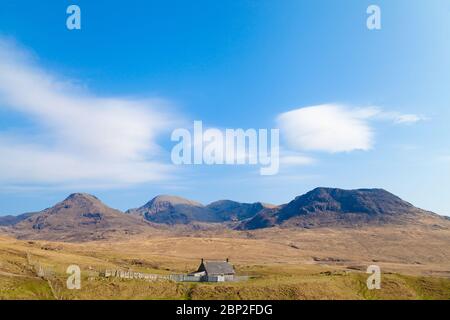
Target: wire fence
<point>171,277</point>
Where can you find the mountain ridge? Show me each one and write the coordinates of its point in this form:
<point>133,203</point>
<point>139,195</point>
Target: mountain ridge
<point>169,209</point>
<point>82,217</point>
<point>173,210</point>
<point>230,210</point>
<point>333,206</point>
<point>79,216</point>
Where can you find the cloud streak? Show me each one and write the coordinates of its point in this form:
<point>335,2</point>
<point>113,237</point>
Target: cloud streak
<point>335,128</point>
<point>329,128</point>
<point>82,138</point>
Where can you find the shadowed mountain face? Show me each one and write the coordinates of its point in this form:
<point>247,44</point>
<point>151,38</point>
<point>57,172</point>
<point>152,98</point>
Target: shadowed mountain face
<point>83,217</point>
<point>174,210</point>
<point>12,220</point>
<point>79,217</point>
<point>334,207</point>
<point>227,210</point>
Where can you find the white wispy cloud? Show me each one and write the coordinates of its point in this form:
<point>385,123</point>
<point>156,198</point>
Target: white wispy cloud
<point>397,117</point>
<point>335,128</point>
<point>82,138</point>
<point>294,159</point>
<point>330,128</point>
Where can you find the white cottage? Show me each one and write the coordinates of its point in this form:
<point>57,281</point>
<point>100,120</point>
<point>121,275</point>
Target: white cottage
<point>215,271</point>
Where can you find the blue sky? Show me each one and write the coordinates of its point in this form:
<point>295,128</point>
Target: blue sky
<point>152,66</point>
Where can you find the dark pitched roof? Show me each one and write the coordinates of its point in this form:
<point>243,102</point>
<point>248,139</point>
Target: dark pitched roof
<point>216,267</point>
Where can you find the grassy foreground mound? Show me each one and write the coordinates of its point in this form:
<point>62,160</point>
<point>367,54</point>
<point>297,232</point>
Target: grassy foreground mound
<point>37,270</point>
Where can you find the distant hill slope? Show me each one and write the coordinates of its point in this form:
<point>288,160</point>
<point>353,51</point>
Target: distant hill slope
<point>83,217</point>
<point>12,220</point>
<point>228,210</point>
<point>174,210</point>
<point>329,207</point>
<point>80,217</point>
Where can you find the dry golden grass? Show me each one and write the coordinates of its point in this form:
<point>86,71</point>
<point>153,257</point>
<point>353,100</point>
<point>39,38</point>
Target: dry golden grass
<point>284,263</point>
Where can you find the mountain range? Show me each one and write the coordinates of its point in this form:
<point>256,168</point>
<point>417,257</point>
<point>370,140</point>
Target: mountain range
<point>83,217</point>
<point>79,217</point>
<point>176,210</point>
<point>325,207</point>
